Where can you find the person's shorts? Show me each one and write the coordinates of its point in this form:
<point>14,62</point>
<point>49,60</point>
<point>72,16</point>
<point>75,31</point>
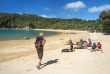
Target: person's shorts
<point>40,53</point>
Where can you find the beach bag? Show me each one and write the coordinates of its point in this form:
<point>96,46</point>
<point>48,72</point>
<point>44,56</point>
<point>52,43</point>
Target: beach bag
<point>38,43</point>
<point>65,50</point>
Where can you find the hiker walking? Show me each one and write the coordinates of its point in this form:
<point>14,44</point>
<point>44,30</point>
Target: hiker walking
<point>39,45</point>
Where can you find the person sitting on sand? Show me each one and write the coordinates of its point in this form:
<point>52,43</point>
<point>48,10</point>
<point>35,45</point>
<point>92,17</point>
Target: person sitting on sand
<point>81,40</point>
<point>98,46</point>
<point>90,42</point>
<point>71,47</point>
<point>69,42</point>
<point>93,47</point>
<point>84,45</point>
<point>79,46</point>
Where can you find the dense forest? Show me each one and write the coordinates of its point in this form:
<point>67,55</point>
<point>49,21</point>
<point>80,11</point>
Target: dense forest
<point>102,24</point>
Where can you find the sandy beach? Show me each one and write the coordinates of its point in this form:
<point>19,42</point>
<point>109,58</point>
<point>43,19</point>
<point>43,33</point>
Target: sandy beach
<point>19,56</point>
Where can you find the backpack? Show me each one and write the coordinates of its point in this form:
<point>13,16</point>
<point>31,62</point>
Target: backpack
<point>65,50</point>
<point>38,43</point>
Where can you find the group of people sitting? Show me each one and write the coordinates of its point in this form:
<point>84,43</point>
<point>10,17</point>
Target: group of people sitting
<point>97,47</point>
<point>83,44</point>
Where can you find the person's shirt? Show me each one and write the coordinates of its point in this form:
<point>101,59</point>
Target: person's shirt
<point>85,45</point>
<point>94,46</point>
<point>90,43</point>
<point>81,41</point>
<point>99,45</point>
<point>70,41</point>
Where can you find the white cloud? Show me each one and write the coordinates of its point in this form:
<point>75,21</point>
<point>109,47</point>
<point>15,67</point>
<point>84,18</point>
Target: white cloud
<point>50,16</point>
<point>99,9</point>
<point>44,16</point>
<point>75,5</point>
<point>45,9</point>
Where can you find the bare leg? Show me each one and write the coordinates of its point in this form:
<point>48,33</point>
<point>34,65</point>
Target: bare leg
<point>38,66</point>
<point>39,62</point>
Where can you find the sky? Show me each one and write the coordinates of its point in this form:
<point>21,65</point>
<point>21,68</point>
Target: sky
<point>65,9</point>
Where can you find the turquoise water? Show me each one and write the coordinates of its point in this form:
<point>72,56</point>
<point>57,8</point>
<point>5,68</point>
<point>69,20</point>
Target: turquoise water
<point>20,34</point>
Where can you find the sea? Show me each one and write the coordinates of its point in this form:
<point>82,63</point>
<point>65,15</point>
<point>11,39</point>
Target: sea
<point>12,34</point>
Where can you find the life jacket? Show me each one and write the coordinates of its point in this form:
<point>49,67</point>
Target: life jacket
<point>38,43</point>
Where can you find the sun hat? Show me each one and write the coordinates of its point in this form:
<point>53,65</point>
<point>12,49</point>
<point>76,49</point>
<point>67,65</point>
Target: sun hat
<point>41,34</point>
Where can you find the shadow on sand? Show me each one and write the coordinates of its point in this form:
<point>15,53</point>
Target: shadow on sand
<point>49,62</point>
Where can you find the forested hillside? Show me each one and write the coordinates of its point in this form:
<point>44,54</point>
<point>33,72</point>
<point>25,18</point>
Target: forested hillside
<point>15,20</point>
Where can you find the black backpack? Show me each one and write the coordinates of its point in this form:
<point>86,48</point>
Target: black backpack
<point>38,42</point>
